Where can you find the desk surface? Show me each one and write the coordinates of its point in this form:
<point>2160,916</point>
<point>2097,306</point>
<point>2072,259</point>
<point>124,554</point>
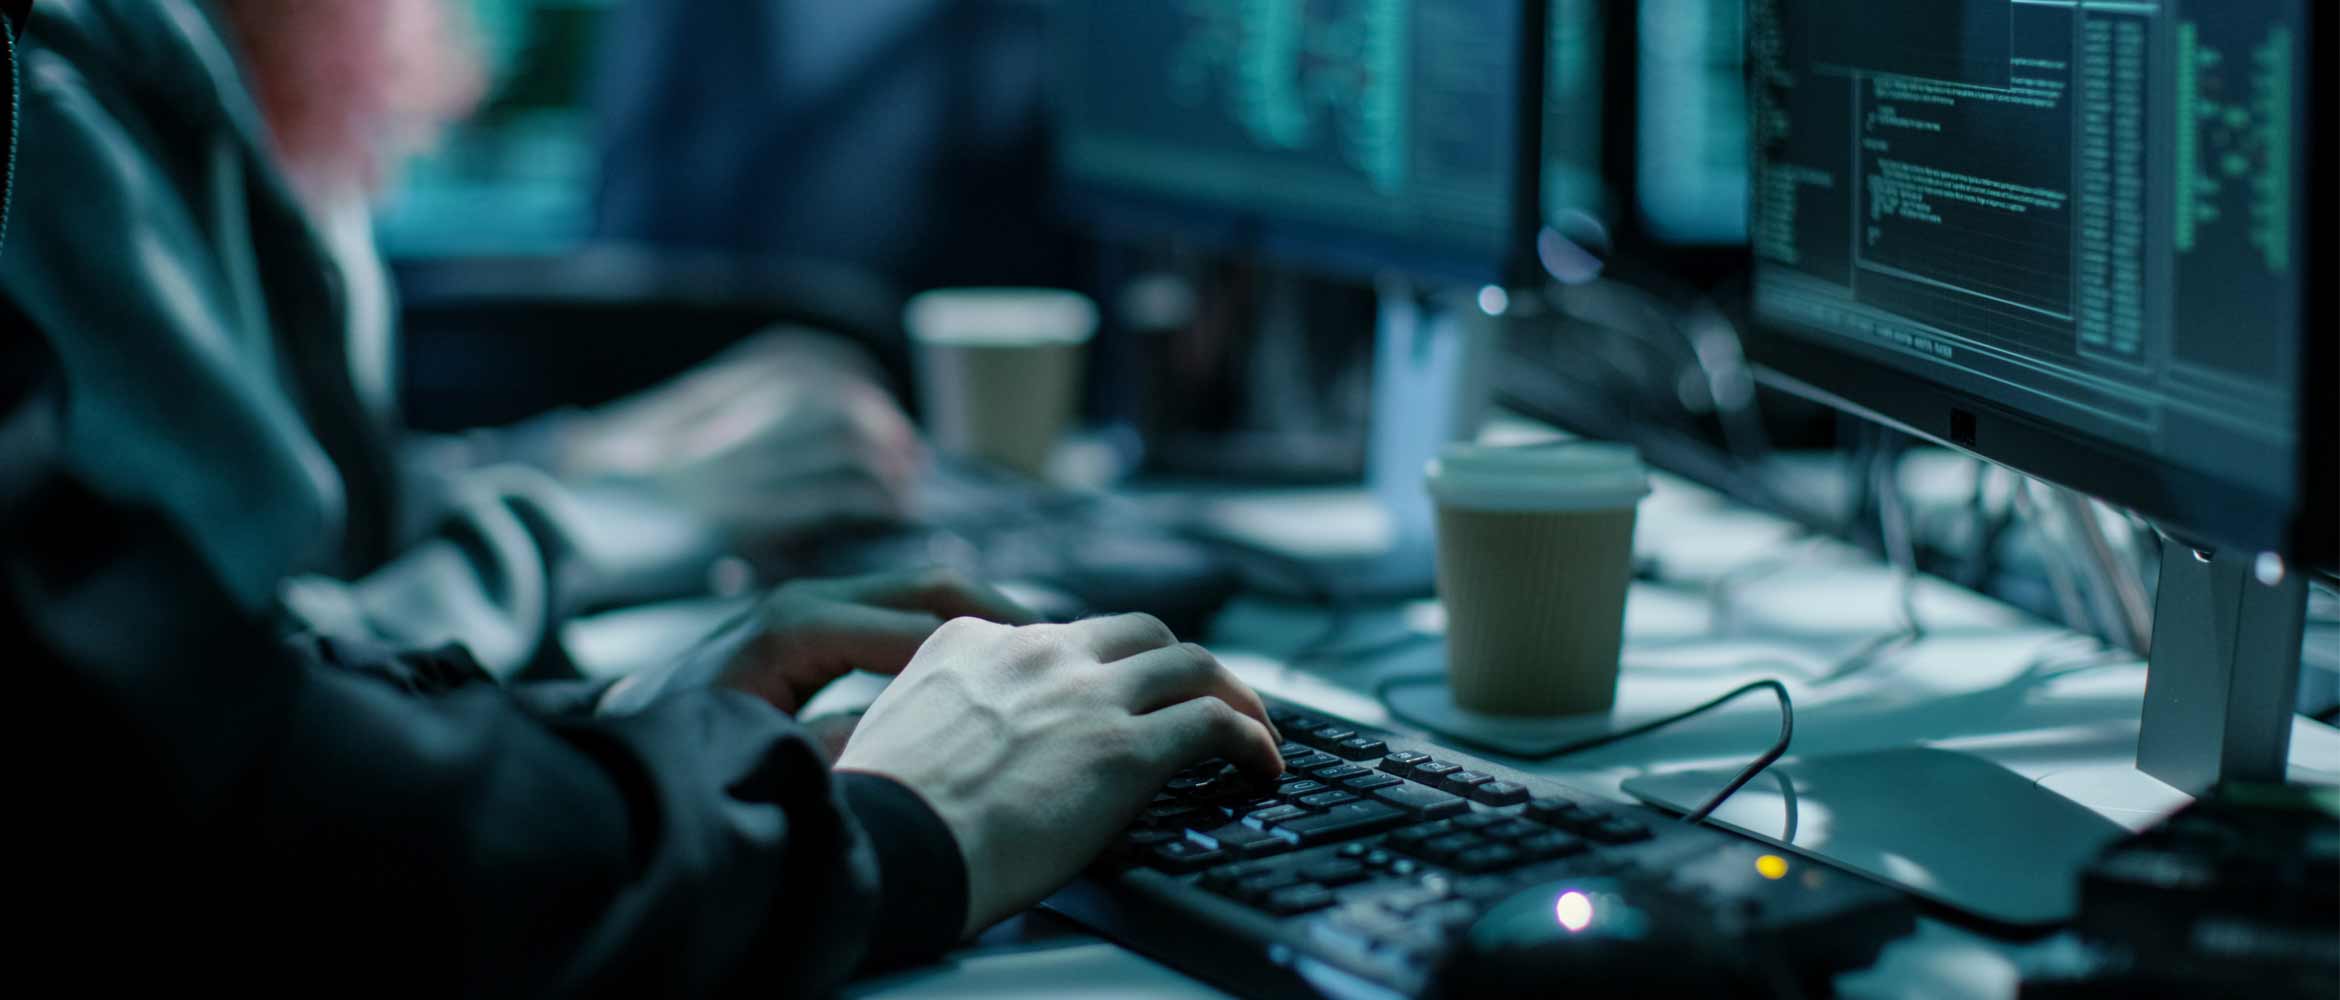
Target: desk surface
<point>1973,684</point>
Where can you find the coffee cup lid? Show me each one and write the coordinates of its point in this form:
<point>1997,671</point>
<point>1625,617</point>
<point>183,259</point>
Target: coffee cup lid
<point>1557,476</point>
<point>1000,316</point>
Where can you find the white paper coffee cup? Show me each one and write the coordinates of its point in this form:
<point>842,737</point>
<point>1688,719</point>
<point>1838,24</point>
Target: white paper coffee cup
<point>999,369</point>
<point>1535,555</point>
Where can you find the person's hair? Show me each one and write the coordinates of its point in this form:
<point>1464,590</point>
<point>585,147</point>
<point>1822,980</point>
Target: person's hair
<point>350,87</point>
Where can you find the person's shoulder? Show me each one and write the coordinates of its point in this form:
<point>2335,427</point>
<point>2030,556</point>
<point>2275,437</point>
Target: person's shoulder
<point>157,50</point>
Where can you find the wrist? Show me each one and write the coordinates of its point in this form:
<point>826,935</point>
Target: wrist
<point>923,883</point>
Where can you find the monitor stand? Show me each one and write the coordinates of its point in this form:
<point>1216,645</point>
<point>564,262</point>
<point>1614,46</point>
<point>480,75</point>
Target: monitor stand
<point>1432,377</point>
<point>2221,686</point>
<point>2223,681</point>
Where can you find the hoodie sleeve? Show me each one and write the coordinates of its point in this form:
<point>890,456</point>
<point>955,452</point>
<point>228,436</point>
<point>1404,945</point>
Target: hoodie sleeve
<point>309,817</point>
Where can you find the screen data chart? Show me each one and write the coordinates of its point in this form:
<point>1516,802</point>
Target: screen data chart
<point>1392,120</point>
<point>2082,212</point>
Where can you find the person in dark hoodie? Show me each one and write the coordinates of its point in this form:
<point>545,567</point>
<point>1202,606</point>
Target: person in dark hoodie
<point>226,782</point>
<point>214,273</point>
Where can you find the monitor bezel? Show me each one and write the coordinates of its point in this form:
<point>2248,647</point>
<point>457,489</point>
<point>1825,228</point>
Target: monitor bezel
<point>1130,216</point>
<point>2196,507</point>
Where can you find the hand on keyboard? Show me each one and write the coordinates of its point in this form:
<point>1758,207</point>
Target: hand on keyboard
<point>1038,745</point>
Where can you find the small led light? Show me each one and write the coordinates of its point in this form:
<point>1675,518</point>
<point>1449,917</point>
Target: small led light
<point>1493,300</point>
<point>1771,866</point>
<point>1575,910</point>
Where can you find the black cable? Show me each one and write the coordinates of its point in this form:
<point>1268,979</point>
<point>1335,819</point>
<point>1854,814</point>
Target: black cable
<point>1787,731</point>
<point>1787,736</point>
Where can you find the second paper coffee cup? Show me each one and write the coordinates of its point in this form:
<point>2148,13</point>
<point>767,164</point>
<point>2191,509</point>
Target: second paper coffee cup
<point>999,369</point>
<point>1535,555</point>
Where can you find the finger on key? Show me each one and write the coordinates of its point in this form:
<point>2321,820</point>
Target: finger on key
<point>1158,678</point>
<point>1201,728</point>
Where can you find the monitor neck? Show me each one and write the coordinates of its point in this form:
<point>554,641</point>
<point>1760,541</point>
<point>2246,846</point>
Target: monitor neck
<point>2222,681</point>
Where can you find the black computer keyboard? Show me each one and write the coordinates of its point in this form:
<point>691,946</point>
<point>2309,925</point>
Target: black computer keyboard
<point>1359,872</point>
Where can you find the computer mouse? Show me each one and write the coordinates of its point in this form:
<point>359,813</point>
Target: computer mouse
<point>1596,937</point>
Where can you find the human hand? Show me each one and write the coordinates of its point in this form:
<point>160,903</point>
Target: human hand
<point>782,433</point>
<point>811,632</point>
<point>1037,745</point>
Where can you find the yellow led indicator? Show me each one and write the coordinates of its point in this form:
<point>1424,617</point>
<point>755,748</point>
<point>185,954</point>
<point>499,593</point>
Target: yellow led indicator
<point>1771,866</point>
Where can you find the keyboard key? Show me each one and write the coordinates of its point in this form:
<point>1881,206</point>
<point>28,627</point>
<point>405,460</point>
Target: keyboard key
<point>1267,818</point>
<point>1300,788</point>
<point>1220,878</point>
<point>1444,849</point>
<point>1617,830</point>
<point>1326,800</point>
<point>1378,858</point>
<point>1404,867</point>
<point>1298,899</point>
<point>1310,761</point>
<point>1354,852</point>
<point>1341,822</point>
<point>1370,781</point>
<point>1432,772</point>
<point>1239,840</point>
<point>1334,873</point>
<point>1134,846</point>
<point>1421,801</point>
<point>1560,813</point>
<point>1515,830</point>
<point>1172,817</point>
<point>1148,838</point>
<point>1249,806</point>
<point>1289,776</point>
<point>1500,793</point>
<point>1289,750</point>
<point>1338,772</point>
<point>1193,787</point>
<point>1477,821</point>
<point>1401,763</point>
<point>1181,856</point>
<point>1361,748</point>
<point>1461,782</point>
<point>1549,845</point>
<point>1419,833</point>
<point>1487,859</point>
<point>1334,736</point>
<point>1261,886</point>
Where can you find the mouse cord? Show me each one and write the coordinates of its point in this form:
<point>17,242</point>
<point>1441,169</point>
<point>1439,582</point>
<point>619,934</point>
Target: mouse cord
<point>1770,756</point>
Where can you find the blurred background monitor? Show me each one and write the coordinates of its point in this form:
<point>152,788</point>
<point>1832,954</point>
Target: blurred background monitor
<point>1352,136</point>
<point>1576,181</point>
<point>1690,162</point>
<point>517,176</point>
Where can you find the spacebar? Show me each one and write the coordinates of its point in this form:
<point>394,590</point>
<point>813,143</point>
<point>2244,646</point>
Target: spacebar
<point>1341,822</point>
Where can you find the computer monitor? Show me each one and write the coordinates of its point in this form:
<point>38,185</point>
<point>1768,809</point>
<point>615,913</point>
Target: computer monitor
<point>1355,137</point>
<point>1577,88</point>
<point>2092,241</point>
<point>1690,165</point>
